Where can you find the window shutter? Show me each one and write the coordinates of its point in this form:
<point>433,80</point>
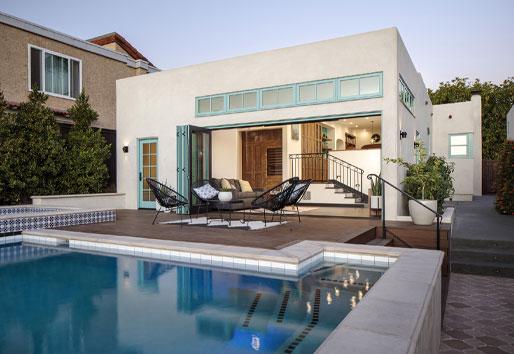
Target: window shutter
<point>35,69</point>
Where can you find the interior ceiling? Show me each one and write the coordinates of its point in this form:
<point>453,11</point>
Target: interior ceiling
<point>358,123</point>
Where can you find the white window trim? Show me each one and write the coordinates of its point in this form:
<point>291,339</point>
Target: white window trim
<point>43,51</point>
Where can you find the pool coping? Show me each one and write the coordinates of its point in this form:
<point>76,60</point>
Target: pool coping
<point>401,313</point>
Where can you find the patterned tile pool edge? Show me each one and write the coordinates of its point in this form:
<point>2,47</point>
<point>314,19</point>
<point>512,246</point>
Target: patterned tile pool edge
<point>56,218</point>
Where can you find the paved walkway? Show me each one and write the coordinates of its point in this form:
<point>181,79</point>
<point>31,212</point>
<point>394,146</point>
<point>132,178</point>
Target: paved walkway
<point>479,315</point>
<point>478,220</point>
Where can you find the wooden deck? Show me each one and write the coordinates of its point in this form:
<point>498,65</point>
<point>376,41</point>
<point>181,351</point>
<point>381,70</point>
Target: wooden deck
<point>139,223</point>
<point>334,229</point>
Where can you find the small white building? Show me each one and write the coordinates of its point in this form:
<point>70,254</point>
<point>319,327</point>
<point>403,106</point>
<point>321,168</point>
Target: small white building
<point>330,111</point>
<point>457,135</point>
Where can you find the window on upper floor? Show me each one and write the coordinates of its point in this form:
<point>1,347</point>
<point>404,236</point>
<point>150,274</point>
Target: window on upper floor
<point>406,95</point>
<point>460,145</point>
<point>55,74</point>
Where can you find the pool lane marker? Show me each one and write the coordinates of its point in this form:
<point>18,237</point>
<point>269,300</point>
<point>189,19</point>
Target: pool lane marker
<point>283,306</point>
<point>251,310</point>
<point>314,321</point>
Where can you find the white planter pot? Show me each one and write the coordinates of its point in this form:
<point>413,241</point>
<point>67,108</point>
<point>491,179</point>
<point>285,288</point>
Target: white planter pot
<point>421,215</point>
<point>225,196</point>
<point>376,202</point>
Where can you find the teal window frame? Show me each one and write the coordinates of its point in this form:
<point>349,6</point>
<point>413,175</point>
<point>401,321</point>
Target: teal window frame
<point>469,146</point>
<point>296,98</point>
<point>405,95</point>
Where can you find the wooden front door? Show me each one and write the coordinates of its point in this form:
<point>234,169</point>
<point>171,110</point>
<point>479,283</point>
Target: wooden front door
<point>262,157</point>
<point>314,167</point>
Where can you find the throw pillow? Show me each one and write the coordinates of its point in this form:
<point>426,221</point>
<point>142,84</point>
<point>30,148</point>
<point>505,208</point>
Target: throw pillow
<point>206,192</point>
<point>245,186</point>
<point>225,184</point>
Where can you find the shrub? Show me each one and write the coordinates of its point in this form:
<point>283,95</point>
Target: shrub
<point>505,180</point>
<point>31,151</point>
<point>429,178</point>
<point>87,152</point>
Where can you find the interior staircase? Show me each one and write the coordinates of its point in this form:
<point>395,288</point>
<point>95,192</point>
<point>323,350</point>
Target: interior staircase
<point>335,181</point>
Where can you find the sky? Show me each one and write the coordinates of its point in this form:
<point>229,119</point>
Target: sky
<point>445,38</point>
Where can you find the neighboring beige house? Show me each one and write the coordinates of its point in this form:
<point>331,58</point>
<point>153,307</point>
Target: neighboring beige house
<point>61,65</point>
<point>510,124</point>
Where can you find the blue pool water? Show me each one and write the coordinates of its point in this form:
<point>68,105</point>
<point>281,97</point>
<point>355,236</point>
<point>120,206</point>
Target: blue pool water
<point>58,301</point>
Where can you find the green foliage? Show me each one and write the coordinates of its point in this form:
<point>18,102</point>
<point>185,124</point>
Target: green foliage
<point>376,187</point>
<point>505,180</point>
<point>429,178</point>
<point>86,152</point>
<point>496,102</point>
<point>31,151</point>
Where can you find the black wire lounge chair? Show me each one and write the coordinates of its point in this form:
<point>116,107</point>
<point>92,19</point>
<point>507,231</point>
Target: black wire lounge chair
<point>276,198</point>
<point>167,198</point>
<point>297,194</point>
<point>203,201</point>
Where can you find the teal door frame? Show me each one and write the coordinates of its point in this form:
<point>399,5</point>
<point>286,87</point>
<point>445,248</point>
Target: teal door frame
<point>141,203</point>
<point>185,163</point>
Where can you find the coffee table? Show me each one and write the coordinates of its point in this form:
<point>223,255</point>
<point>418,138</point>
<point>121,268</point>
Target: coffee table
<point>229,207</point>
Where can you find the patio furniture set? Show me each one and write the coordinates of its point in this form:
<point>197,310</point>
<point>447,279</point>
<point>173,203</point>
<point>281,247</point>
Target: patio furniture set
<point>248,201</point>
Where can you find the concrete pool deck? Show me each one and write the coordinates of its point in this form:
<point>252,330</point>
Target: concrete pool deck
<point>401,313</point>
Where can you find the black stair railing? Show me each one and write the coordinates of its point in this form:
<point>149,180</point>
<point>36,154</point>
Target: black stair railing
<point>384,183</point>
<point>325,167</point>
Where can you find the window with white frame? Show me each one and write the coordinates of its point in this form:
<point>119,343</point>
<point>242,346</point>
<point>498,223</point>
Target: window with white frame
<point>54,73</point>
<point>460,145</point>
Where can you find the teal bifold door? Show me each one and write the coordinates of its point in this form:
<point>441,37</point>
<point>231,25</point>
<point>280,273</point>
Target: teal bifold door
<point>147,165</point>
<point>193,160</point>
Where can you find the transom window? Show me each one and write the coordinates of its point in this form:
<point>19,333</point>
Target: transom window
<point>461,145</point>
<point>243,100</point>
<point>55,74</point>
<point>406,95</point>
<point>322,91</point>
<point>312,92</point>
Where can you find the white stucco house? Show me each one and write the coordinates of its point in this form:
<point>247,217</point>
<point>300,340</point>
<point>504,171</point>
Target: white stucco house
<point>330,111</point>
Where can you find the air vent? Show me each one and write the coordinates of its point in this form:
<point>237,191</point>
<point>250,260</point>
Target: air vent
<point>307,195</point>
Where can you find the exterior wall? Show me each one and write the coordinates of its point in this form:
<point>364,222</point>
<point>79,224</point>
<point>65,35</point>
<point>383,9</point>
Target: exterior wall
<point>418,119</point>
<point>510,124</point>
<point>99,73</point>
<point>465,118</point>
<point>153,105</point>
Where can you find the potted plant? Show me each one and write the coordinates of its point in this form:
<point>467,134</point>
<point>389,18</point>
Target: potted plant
<point>225,195</point>
<point>376,194</point>
<point>429,181</point>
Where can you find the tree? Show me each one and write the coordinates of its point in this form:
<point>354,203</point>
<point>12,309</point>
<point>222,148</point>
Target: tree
<point>505,180</point>
<point>30,151</point>
<point>496,102</point>
<point>87,152</point>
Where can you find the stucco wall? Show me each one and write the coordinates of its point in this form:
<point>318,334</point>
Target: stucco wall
<point>99,74</point>
<point>153,105</point>
<point>465,118</point>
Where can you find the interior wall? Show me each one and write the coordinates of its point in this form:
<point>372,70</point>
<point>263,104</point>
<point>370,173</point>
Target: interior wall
<point>226,153</point>
<point>368,160</point>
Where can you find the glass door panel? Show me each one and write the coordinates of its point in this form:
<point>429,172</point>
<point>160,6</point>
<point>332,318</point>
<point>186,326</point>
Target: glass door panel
<point>147,168</point>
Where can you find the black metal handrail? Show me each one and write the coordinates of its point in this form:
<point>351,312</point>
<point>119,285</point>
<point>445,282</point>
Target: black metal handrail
<point>336,169</point>
<point>384,182</point>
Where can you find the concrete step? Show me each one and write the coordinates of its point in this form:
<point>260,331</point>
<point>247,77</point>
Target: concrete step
<point>484,268</point>
<point>470,255</point>
<point>380,242</point>
<point>483,245</point>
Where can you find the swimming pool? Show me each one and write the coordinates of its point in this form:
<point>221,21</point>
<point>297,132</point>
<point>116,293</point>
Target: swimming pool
<point>58,301</point>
